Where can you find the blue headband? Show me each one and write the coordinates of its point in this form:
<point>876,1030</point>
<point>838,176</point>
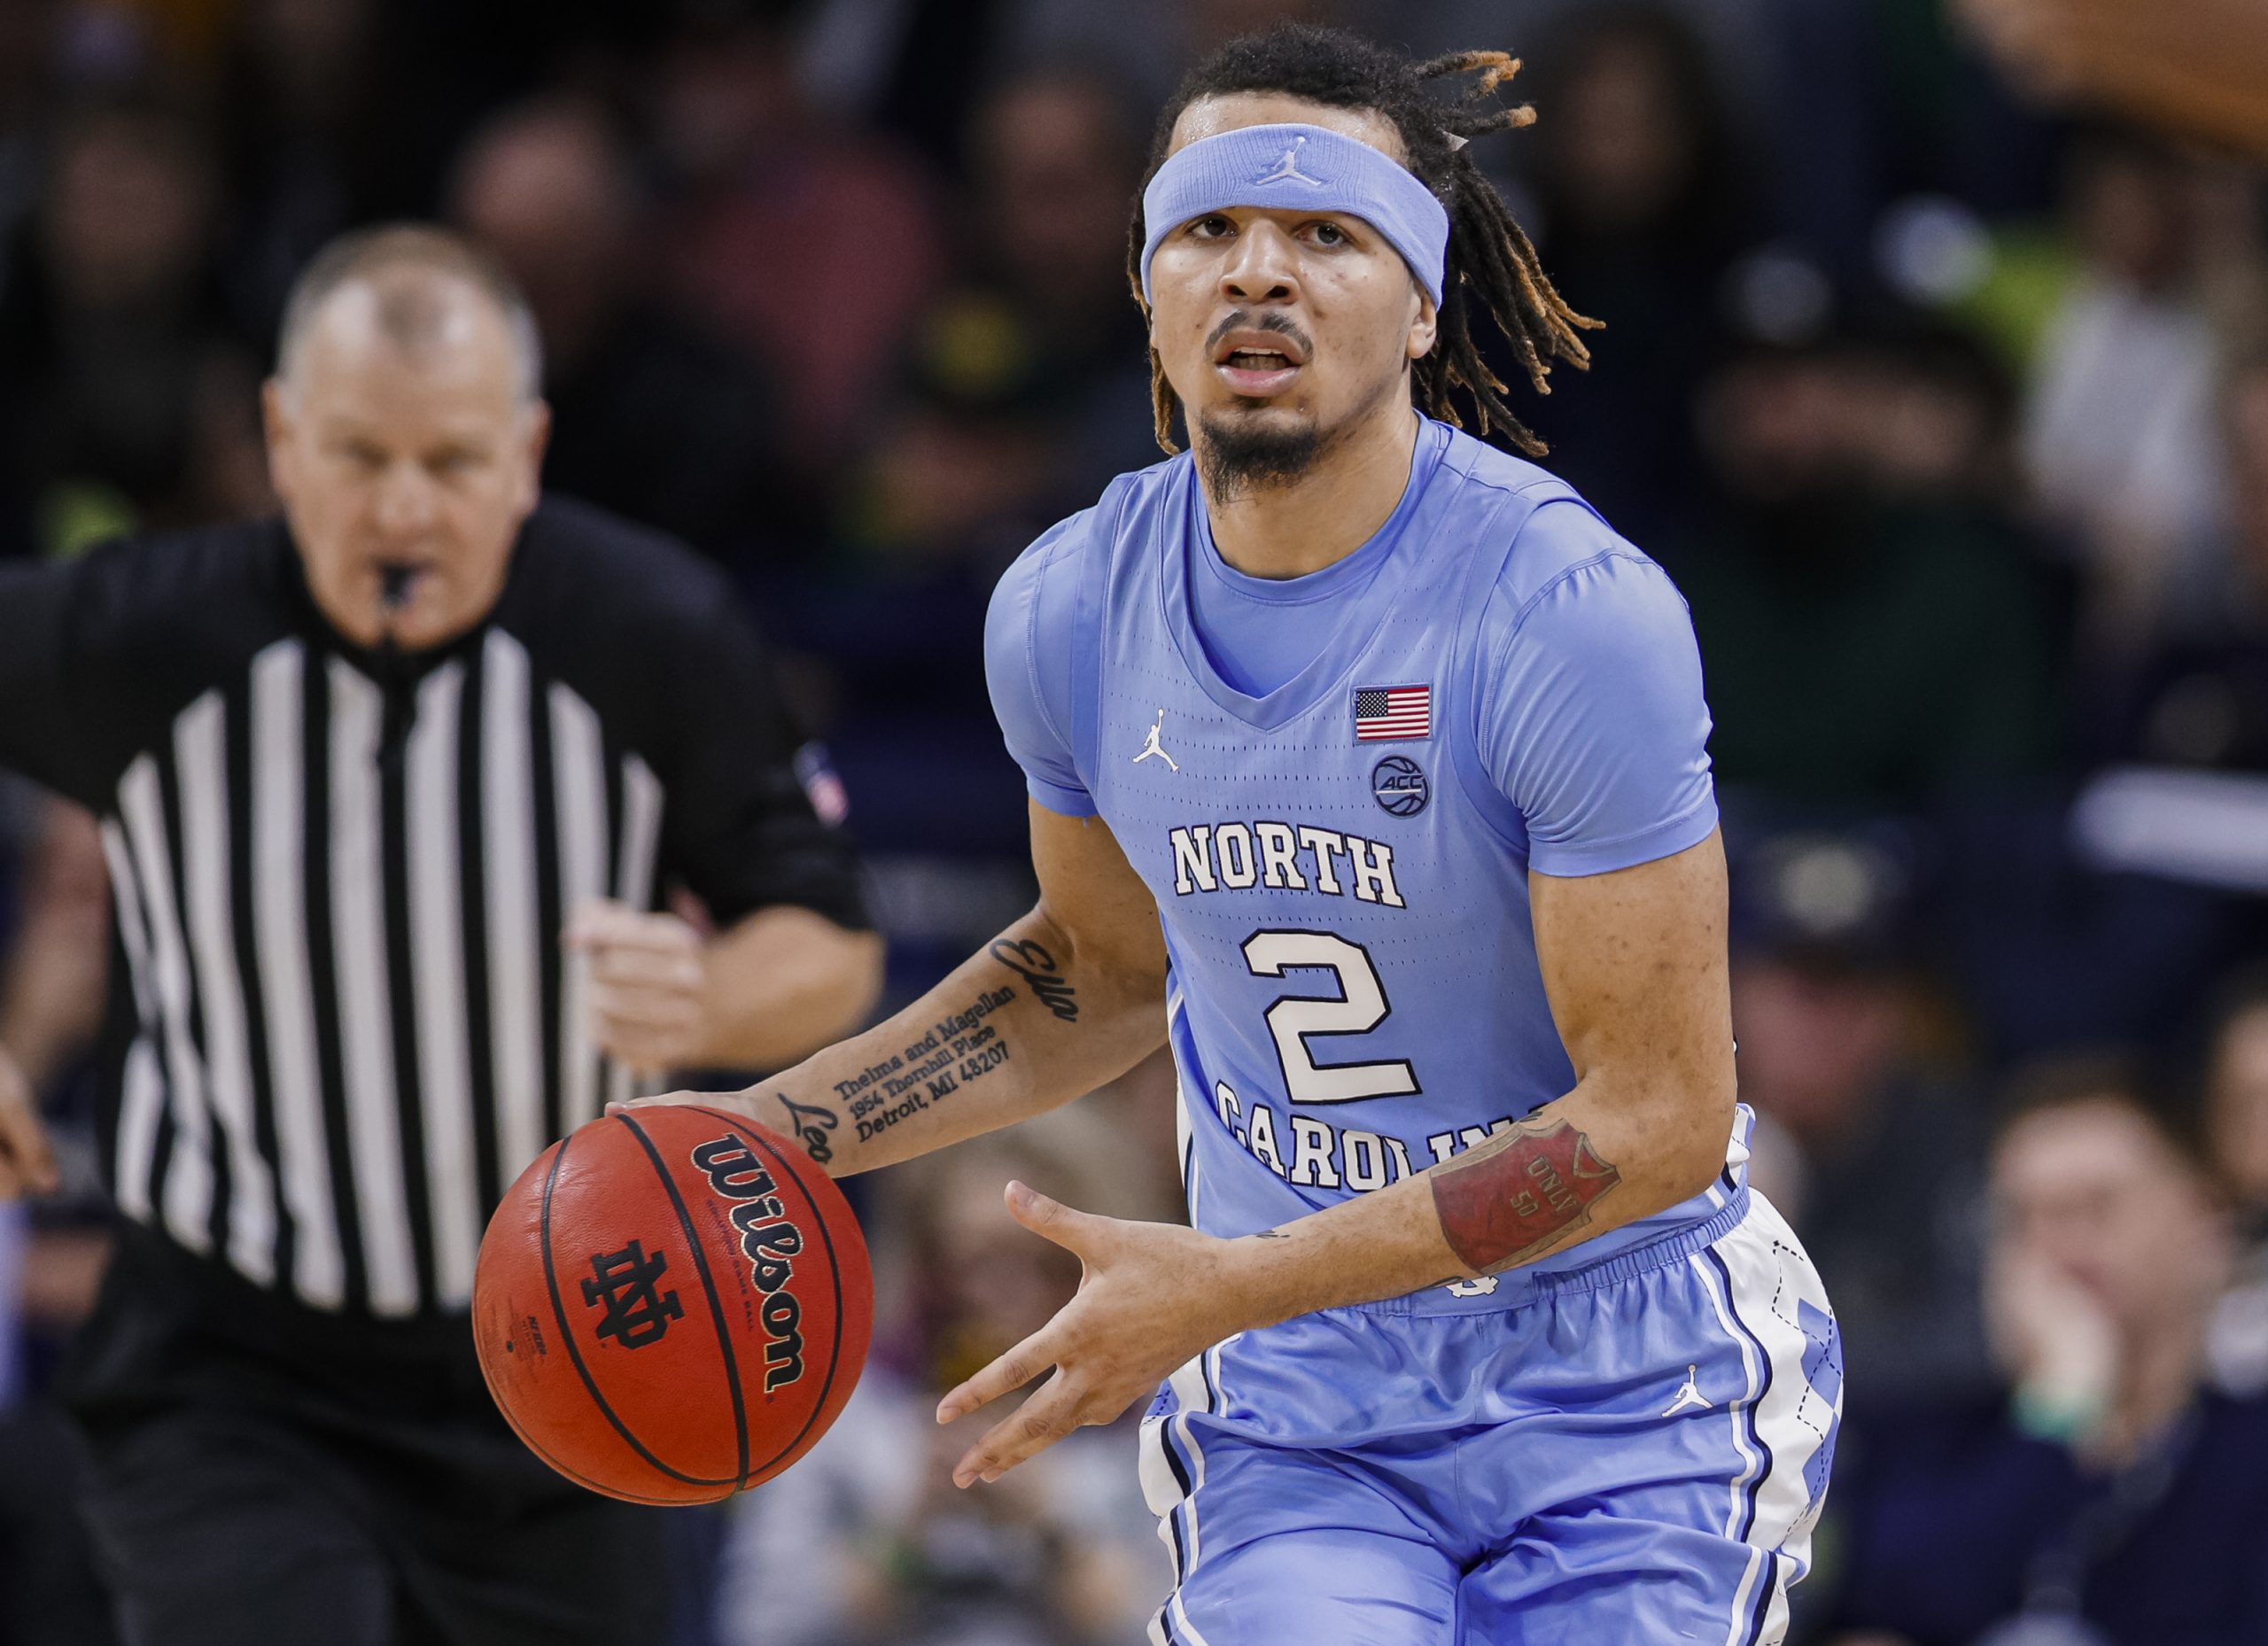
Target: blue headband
<point>1299,167</point>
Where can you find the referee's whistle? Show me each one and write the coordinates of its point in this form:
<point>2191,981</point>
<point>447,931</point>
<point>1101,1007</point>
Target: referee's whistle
<point>393,586</point>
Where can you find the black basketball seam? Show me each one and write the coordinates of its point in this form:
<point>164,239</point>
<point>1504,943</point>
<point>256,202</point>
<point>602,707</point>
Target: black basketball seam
<point>574,1354</point>
<point>834,1274</point>
<point>709,1285</point>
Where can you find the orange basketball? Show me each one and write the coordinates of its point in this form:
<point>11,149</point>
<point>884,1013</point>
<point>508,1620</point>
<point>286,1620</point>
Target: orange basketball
<point>672,1305</point>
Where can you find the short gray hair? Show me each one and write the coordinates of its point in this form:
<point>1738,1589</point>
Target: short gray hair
<point>406,316</point>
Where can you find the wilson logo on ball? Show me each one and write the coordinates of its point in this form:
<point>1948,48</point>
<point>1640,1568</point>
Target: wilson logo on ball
<point>769,1243</point>
<point>628,1284</point>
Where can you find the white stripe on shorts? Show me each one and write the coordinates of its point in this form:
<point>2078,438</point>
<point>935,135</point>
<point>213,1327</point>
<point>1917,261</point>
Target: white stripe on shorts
<point>1765,1275</point>
<point>1195,1385</point>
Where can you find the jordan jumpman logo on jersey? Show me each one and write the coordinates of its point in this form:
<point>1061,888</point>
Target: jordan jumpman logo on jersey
<point>1151,746</point>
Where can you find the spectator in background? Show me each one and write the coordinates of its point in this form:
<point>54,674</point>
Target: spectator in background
<point>2201,700</point>
<point>1937,415</point>
<point>1020,390</point>
<point>51,994</point>
<point>1149,46</point>
<point>2109,1496</point>
<point>812,245</point>
<point>27,43</point>
<point>1642,210</point>
<point>652,418</point>
<point>1054,159</point>
<point>2236,1120</point>
<point>59,962</point>
<point>317,137</point>
<point>1872,1148</point>
<point>1867,645</point>
<point>866,1540</point>
<point>2120,434</point>
<point>114,344</point>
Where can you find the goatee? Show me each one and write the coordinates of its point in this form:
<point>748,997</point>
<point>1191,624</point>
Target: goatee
<point>1234,458</point>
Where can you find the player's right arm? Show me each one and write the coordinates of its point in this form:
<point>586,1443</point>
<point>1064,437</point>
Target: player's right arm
<point>1069,997</point>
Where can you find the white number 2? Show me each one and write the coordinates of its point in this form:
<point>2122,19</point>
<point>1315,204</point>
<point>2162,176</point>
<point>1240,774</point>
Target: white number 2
<point>1359,1007</point>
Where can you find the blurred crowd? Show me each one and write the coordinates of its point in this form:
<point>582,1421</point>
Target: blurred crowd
<point>1949,417</point>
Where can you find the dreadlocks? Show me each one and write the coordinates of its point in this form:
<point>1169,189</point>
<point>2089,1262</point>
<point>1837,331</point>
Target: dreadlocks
<point>1491,262</point>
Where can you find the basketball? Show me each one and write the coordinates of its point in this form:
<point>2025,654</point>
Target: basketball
<point>672,1305</point>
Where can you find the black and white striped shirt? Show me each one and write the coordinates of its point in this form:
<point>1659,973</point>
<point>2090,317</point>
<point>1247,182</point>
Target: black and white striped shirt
<point>345,1020</point>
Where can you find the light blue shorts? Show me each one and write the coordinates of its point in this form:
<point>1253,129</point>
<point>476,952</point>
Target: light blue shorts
<point>1631,1452</point>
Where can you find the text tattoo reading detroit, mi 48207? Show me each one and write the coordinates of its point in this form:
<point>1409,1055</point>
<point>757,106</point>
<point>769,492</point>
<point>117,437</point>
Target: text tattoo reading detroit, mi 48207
<point>957,1050</point>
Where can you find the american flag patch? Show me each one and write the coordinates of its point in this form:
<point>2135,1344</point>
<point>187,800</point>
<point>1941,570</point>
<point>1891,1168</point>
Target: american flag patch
<point>1383,712</point>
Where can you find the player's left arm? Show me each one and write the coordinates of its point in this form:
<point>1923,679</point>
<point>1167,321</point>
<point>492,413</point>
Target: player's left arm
<point>1633,963</point>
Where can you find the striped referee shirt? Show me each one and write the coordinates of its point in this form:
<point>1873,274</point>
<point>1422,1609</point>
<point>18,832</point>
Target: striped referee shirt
<point>341,1018</point>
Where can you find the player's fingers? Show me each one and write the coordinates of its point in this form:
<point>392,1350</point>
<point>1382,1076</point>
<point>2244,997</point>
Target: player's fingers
<point>1011,1371</point>
<point>1073,1231</point>
<point>1050,1413</point>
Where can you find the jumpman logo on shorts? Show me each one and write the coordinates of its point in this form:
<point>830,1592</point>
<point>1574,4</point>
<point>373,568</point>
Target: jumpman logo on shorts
<point>1286,168</point>
<point>1689,1396</point>
<point>1151,746</point>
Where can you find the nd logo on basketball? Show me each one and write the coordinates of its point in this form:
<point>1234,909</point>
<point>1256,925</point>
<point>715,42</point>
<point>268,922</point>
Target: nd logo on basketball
<point>768,1241</point>
<point>628,1284</point>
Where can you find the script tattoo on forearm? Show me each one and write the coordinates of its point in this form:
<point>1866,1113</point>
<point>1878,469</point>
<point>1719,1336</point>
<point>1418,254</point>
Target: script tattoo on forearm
<point>1032,962</point>
<point>1511,1197</point>
<point>955,1052</point>
<point>811,1123</point>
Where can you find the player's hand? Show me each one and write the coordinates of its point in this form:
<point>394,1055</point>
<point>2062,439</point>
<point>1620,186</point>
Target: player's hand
<point>649,985</point>
<point>1152,1294</point>
<point>27,1162</point>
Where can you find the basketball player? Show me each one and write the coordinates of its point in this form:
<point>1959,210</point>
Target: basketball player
<point>1367,771</point>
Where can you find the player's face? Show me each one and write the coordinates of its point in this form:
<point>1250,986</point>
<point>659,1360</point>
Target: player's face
<point>410,466</point>
<point>1284,326</point>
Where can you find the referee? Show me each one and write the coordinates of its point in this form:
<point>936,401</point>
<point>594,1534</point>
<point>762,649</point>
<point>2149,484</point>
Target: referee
<point>388,789</point>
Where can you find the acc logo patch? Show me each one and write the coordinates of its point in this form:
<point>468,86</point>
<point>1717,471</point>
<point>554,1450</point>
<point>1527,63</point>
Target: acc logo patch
<point>1398,784</point>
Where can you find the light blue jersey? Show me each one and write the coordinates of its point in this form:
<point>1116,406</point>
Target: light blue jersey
<point>1356,994</point>
<point>1336,787</point>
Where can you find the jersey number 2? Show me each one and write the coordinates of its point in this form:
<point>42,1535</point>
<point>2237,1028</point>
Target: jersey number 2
<point>1360,1006</point>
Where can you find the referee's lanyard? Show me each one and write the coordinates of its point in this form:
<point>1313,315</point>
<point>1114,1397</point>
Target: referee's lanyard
<point>2057,1574</point>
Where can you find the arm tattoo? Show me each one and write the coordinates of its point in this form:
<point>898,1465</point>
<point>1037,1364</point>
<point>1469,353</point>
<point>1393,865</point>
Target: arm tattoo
<point>810,1124</point>
<point>959,1049</point>
<point>1032,962</point>
<point>1516,1194</point>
